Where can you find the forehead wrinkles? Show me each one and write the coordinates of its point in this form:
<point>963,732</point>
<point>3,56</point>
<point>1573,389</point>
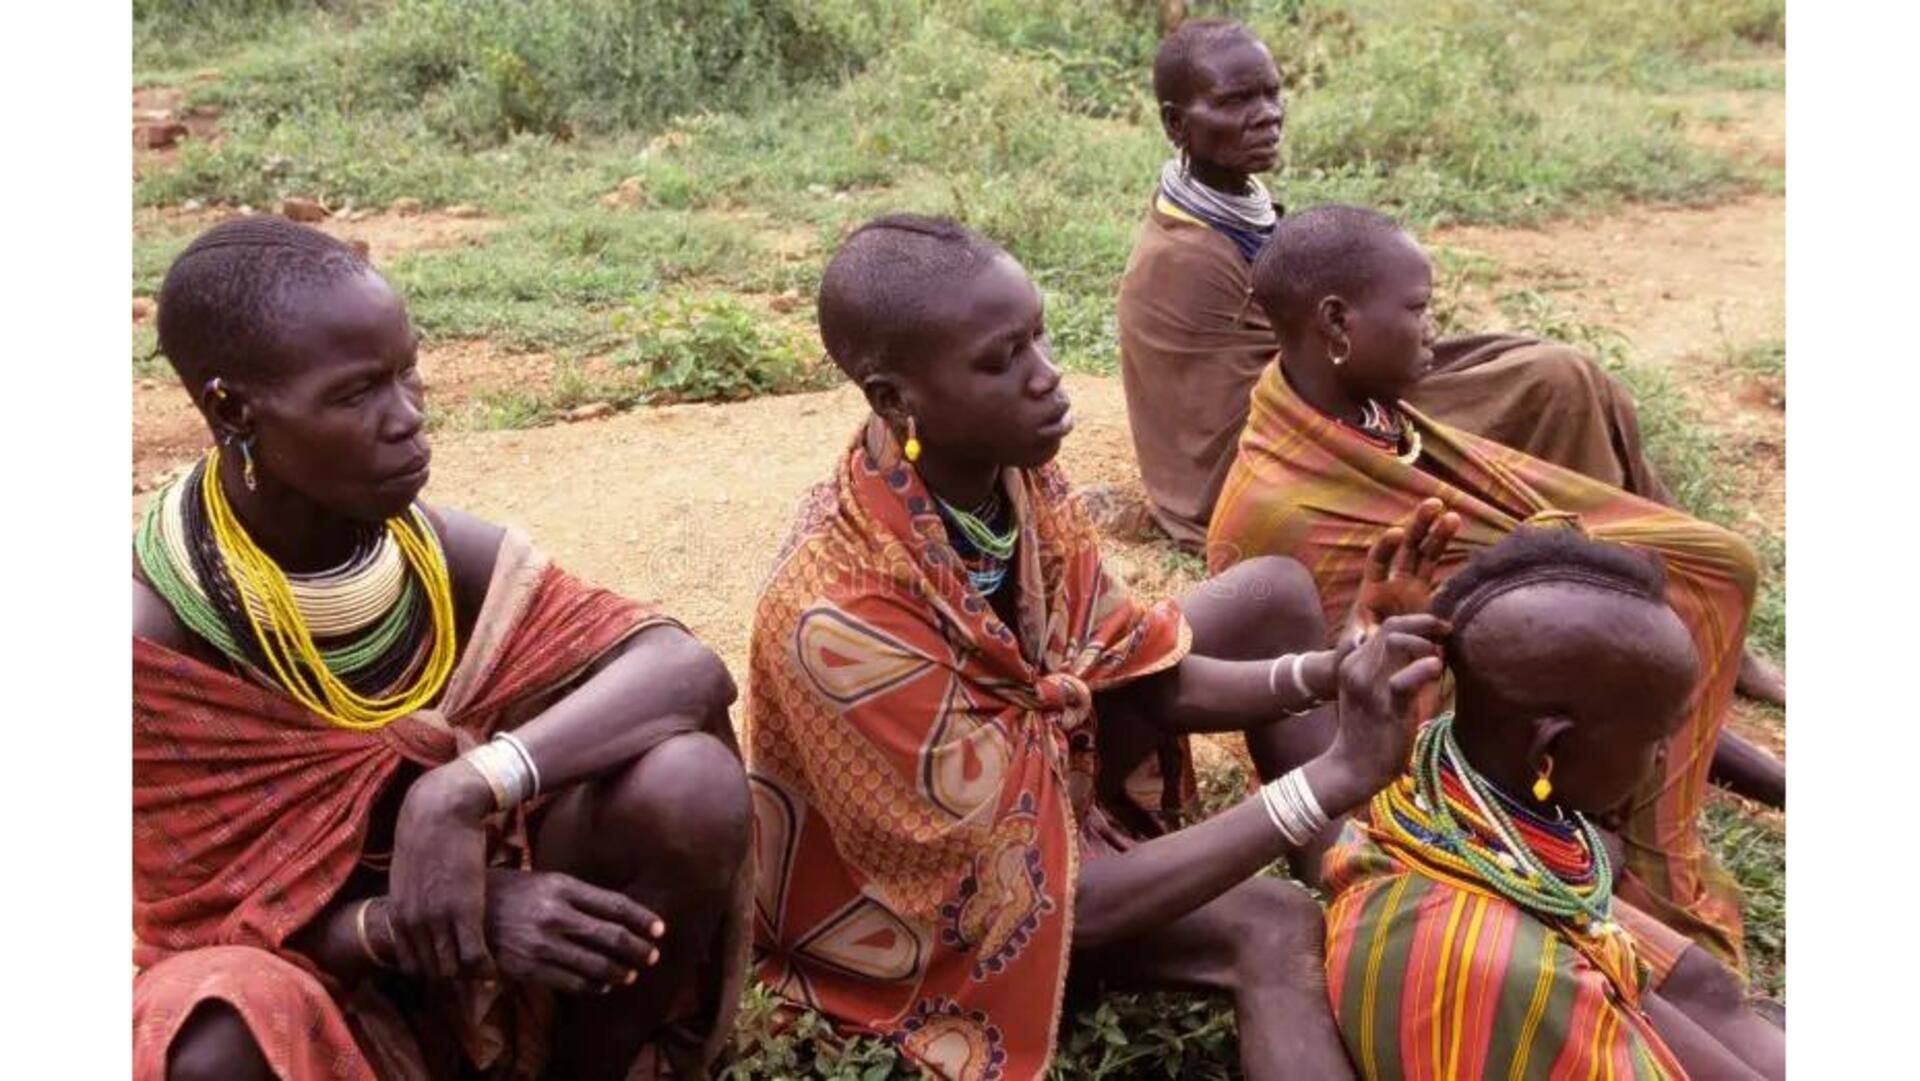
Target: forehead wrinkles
<point>1234,64</point>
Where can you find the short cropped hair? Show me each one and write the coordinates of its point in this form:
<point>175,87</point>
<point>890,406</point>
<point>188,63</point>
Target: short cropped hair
<point>1325,251</point>
<point>879,287</point>
<point>224,296</point>
<point>1536,555</point>
<point>1173,63</point>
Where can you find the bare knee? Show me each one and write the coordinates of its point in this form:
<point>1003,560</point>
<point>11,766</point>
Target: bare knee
<point>1260,607</point>
<point>215,1045</point>
<point>1700,985</point>
<point>1279,936</point>
<point>685,804</point>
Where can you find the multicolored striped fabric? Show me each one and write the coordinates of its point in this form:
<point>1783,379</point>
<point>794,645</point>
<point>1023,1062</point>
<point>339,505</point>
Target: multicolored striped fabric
<point>1306,487</point>
<point>1433,979</point>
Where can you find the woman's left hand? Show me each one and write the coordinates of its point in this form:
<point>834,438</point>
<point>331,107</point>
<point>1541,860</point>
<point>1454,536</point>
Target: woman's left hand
<point>1401,564</point>
<point>438,885</point>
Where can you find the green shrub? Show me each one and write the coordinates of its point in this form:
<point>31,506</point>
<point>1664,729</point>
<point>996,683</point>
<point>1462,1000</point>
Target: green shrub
<point>715,349</point>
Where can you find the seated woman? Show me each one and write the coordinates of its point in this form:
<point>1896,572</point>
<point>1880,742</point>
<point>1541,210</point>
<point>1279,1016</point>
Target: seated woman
<point>1472,930</point>
<point>1192,342</point>
<point>1333,452</point>
<point>409,801</point>
<point>948,694</point>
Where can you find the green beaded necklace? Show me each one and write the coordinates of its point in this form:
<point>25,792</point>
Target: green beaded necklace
<point>175,583</point>
<point>993,545</point>
<point>1533,885</point>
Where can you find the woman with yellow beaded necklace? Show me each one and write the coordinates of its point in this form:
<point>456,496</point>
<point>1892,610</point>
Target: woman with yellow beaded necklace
<point>400,784</point>
<point>1472,930</point>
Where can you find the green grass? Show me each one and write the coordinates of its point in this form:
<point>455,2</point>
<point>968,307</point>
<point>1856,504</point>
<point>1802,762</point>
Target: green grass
<point>1754,851</point>
<point>1029,120</point>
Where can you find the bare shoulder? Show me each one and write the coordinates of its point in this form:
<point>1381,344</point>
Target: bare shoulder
<point>153,619</point>
<point>472,546</point>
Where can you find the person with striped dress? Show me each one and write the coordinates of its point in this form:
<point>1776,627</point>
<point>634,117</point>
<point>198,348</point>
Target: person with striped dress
<point>1473,930</point>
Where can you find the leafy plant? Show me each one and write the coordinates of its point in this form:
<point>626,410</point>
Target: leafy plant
<point>713,349</point>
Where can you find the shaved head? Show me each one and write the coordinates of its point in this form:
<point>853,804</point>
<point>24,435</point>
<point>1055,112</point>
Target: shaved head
<point>1174,74</point>
<point>879,291</point>
<point>1326,251</point>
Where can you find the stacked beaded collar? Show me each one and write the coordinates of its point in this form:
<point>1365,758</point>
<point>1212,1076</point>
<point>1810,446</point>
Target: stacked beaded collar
<point>362,645</point>
<point>1460,827</point>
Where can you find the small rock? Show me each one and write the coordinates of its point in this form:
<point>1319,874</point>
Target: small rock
<point>307,210</point>
<point>463,210</point>
<point>590,411</point>
<point>406,206</point>
<point>244,209</point>
<point>154,116</point>
<point>192,205</point>
<point>786,301</point>
<point>158,135</point>
<point>142,309</point>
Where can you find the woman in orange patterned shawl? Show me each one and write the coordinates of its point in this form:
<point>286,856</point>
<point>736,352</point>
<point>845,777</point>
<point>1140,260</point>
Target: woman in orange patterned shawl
<point>332,880</point>
<point>945,707</point>
<point>1331,454</point>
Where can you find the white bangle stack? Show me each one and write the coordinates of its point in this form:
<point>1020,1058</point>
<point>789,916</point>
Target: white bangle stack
<point>508,770</point>
<point>1292,808</point>
<point>1308,699</point>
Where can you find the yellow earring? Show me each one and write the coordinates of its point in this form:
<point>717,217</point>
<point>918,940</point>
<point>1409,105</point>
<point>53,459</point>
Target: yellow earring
<point>1542,784</point>
<point>912,446</point>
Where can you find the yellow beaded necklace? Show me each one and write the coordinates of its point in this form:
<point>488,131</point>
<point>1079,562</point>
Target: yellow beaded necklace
<point>287,641</point>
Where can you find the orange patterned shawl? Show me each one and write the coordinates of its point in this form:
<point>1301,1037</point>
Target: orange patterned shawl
<point>249,814</point>
<point>918,777</point>
<point>1306,487</point>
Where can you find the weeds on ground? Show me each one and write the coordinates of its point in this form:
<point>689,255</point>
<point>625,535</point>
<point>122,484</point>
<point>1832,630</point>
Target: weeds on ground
<point>1031,121</point>
<point>715,349</point>
<point>1754,851</point>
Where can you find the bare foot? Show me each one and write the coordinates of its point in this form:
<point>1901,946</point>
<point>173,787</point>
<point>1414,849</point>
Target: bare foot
<point>1761,681</point>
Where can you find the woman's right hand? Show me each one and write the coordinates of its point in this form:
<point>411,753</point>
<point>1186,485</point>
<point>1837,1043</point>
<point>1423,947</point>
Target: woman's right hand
<point>1379,682</point>
<point>554,930</point>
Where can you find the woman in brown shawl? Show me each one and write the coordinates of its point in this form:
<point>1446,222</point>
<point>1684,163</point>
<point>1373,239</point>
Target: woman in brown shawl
<point>1192,342</point>
<point>409,801</point>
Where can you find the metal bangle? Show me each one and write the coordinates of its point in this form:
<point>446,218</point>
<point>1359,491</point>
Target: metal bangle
<point>366,942</point>
<point>526,759</point>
